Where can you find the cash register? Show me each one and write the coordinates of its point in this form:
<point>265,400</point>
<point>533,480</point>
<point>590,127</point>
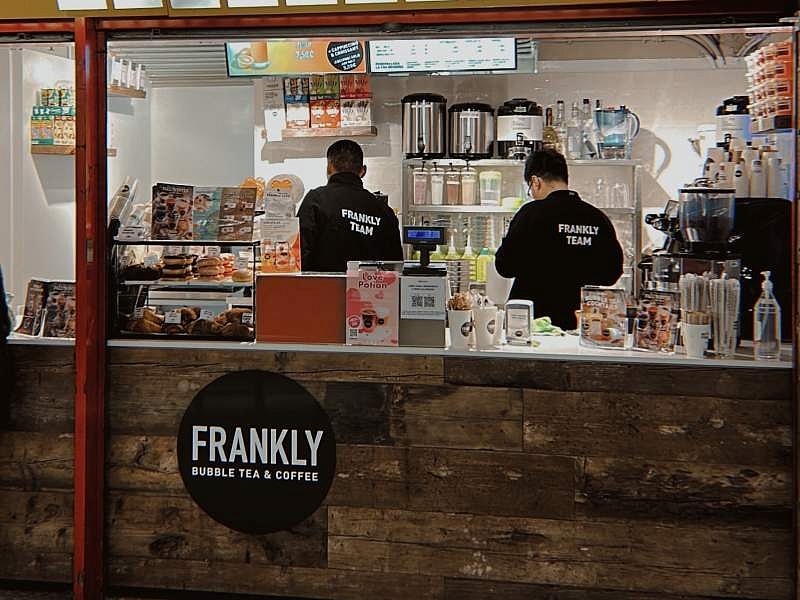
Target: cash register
<point>423,291</point>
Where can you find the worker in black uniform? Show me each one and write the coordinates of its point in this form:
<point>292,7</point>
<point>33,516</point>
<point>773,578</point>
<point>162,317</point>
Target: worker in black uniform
<point>557,244</point>
<point>342,221</point>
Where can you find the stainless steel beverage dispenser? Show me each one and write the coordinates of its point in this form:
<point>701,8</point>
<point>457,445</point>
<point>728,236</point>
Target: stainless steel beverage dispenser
<point>424,126</point>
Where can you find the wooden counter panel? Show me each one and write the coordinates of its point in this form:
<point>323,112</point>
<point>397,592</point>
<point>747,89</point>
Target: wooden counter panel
<point>680,492</point>
<point>36,461</point>
<point>147,526</point>
<point>44,390</point>
<point>474,589</point>
<point>636,378</point>
<point>621,555</point>
<point>193,369</point>
<point>361,413</point>
<point>328,584</point>
<point>691,429</point>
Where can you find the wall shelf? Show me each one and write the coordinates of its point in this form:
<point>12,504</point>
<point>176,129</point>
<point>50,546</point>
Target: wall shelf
<point>115,90</point>
<point>510,163</point>
<point>330,132</point>
<point>54,150</point>
<point>460,208</point>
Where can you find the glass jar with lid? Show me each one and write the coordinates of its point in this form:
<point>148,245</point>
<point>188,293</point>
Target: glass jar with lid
<point>469,187</point>
<point>421,178</point>
<point>452,181</point>
<point>437,186</point>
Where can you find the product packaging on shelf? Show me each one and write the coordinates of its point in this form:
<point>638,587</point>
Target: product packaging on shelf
<point>295,90</point>
<point>603,318</point>
<point>205,213</point>
<point>656,322</point>
<point>236,214</point>
<point>355,86</point>
<point>356,112</point>
<point>171,217</point>
<point>50,309</point>
<point>280,245</point>
<point>42,128</point>
<point>298,116</point>
<point>325,114</point>
<point>372,307</point>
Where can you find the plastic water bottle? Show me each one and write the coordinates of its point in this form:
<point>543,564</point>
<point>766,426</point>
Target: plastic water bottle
<point>767,323</point>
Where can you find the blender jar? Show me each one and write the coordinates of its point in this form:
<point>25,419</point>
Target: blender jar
<point>452,179</point>
<point>420,175</point>
<point>706,216</point>
<point>491,183</point>
<point>469,187</point>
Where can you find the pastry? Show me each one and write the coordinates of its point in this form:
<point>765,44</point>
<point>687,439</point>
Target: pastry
<point>188,314</point>
<point>242,275</point>
<point>209,271</point>
<point>203,327</point>
<point>236,330</point>
<point>174,329</point>
<point>140,272</point>
<point>176,261</point>
<point>143,326</point>
<point>151,315</point>
<point>233,315</point>
<point>209,261</point>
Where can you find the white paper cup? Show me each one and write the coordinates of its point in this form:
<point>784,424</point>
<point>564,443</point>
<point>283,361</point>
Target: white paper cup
<point>460,322</point>
<point>500,328</point>
<point>695,339</point>
<point>485,326</point>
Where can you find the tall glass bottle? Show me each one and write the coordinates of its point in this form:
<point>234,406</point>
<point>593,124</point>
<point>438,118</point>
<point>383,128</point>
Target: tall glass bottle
<point>588,148</point>
<point>560,125</point>
<point>767,323</point>
<point>574,134</point>
<point>549,137</point>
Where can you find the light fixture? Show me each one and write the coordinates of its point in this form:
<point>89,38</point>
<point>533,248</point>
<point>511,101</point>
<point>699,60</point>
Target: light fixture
<point>251,3</point>
<point>82,4</point>
<point>194,3</point>
<point>138,4</point>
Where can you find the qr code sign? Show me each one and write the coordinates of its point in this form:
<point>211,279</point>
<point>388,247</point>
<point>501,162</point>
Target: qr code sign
<point>423,302</point>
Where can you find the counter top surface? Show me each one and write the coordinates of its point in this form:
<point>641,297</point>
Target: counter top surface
<point>551,348</point>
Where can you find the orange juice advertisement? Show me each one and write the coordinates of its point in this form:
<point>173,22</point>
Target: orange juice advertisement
<point>288,57</point>
<point>372,311</point>
<point>280,245</point>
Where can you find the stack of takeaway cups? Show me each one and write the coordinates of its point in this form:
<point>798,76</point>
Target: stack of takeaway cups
<point>458,272</point>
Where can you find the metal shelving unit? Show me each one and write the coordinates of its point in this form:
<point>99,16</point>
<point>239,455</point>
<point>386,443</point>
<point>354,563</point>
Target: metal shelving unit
<point>584,175</point>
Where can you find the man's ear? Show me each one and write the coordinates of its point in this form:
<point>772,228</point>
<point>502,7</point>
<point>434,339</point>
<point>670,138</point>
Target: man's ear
<point>363,172</point>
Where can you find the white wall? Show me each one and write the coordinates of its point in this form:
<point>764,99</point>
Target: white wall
<point>129,134</point>
<point>39,239</point>
<point>201,135</point>
<point>670,103</point>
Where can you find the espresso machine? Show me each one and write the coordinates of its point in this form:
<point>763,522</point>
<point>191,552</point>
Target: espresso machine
<point>698,228</point>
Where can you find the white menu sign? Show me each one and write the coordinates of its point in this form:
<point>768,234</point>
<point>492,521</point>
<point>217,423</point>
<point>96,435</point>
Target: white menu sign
<point>457,54</point>
<point>82,4</point>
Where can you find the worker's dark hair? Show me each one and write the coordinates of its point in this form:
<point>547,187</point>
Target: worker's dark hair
<point>547,164</point>
<point>346,156</point>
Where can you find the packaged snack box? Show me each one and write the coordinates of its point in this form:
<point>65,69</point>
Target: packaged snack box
<point>298,116</point>
<point>295,90</point>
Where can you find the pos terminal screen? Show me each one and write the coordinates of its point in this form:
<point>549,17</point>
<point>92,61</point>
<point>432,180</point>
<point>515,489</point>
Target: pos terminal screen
<point>424,236</point>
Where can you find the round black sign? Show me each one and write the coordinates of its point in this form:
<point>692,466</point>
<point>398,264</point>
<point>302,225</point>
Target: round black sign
<point>345,56</point>
<point>256,451</point>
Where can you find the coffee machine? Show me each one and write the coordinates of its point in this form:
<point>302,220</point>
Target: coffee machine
<point>698,228</point>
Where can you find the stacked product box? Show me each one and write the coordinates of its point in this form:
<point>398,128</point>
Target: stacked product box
<point>325,106</point>
<point>53,118</point>
<point>296,96</point>
<point>356,101</point>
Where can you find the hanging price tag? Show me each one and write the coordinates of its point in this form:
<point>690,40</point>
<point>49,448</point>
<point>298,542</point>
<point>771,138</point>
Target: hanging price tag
<point>173,317</point>
<point>206,314</point>
<point>247,318</point>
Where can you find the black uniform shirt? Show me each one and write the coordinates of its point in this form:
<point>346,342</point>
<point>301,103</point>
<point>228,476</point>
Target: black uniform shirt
<point>342,221</point>
<point>554,247</point>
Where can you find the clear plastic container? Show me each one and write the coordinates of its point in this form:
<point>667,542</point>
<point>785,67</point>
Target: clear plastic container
<point>421,179</point>
<point>452,184</point>
<point>491,184</point>
<point>437,186</point>
<point>469,187</point>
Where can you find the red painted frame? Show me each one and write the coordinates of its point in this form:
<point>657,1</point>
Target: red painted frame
<point>88,564</point>
<point>90,343</point>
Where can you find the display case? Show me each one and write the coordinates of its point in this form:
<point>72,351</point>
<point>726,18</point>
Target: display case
<point>476,200</point>
<point>168,289</point>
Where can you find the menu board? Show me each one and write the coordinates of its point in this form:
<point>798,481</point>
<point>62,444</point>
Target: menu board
<point>297,56</point>
<point>433,55</point>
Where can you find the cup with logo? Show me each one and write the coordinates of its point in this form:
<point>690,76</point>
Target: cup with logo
<point>460,320</point>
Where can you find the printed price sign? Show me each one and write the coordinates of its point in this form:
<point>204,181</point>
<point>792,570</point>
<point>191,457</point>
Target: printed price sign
<point>173,317</point>
<point>213,251</point>
<point>422,298</point>
<point>247,318</point>
<point>138,312</point>
<point>172,251</point>
<point>151,260</point>
<point>241,263</point>
<point>206,314</point>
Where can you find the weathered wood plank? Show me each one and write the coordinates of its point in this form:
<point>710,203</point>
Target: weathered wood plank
<point>34,461</point>
<point>33,508</point>
<point>9,594</point>
<point>591,376</point>
<point>501,483</point>
<point>329,584</point>
<point>622,424</point>
<point>472,589</point>
<point>147,526</point>
<point>681,491</point>
<point>170,366</point>
<point>627,556</point>
<point>44,390</point>
<point>457,417</point>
